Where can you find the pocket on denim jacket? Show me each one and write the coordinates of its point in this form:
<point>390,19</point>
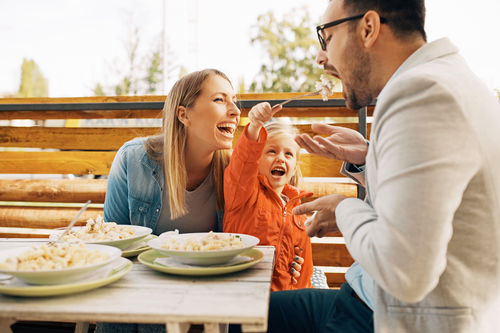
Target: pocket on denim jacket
<point>140,212</point>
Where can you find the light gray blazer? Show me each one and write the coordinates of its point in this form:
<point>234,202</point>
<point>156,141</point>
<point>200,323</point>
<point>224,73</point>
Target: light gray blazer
<point>429,233</point>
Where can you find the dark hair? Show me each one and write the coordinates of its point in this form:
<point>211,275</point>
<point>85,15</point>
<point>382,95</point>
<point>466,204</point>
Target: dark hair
<point>404,17</point>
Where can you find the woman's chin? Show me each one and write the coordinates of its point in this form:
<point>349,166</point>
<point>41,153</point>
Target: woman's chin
<point>225,145</point>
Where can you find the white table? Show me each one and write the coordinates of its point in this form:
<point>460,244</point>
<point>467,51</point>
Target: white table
<point>146,296</point>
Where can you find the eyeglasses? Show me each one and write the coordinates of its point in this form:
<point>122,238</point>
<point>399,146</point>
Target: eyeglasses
<point>320,28</point>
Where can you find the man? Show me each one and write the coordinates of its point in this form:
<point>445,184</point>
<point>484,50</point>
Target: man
<point>429,232</point>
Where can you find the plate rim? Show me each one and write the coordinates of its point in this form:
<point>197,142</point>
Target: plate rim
<point>210,253</point>
<point>68,288</point>
<point>200,271</point>
<point>135,252</point>
<point>117,241</point>
<point>65,269</point>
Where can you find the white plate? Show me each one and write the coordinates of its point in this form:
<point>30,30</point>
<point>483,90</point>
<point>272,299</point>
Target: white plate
<point>202,258</point>
<point>140,232</point>
<point>62,275</point>
<point>17,287</point>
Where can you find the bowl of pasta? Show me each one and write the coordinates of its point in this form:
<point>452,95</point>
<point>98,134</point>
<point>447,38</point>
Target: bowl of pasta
<point>204,248</point>
<point>57,263</point>
<point>105,233</point>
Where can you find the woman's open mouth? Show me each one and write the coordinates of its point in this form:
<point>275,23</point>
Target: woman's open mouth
<point>227,129</point>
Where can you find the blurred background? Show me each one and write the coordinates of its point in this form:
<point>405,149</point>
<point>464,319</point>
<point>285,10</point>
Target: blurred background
<point>69,48</point>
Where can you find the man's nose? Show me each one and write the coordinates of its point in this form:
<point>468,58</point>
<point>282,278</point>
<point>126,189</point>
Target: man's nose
<point>321,58</point>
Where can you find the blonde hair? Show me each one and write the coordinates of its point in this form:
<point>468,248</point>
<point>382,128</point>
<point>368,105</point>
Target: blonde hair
<point>169,147</point>
<point>276,127</point>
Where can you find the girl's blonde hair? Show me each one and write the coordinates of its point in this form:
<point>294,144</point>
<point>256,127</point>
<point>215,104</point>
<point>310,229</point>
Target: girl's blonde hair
<point>169,147</point>
<point>277,126</point>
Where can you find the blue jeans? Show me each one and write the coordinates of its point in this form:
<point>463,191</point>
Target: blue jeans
<point>319,310</point>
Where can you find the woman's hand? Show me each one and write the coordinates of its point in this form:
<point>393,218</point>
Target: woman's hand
<point>296,265</point>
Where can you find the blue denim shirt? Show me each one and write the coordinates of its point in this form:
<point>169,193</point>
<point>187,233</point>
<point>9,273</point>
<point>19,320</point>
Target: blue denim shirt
<point>135,188</point>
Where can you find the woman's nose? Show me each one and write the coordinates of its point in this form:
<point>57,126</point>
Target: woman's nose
<point>233,109</point>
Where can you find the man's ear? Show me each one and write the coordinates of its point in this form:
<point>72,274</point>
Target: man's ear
<point>182,115</point>
<point>370,28</point>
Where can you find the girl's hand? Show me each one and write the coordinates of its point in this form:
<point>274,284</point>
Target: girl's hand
<point>259,115</point>
<point>296,265</point>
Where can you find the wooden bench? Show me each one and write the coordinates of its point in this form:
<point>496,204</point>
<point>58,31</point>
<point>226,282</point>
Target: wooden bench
<point>74,138</point>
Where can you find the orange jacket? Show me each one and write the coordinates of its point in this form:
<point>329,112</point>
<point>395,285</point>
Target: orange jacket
<point>252,207</point>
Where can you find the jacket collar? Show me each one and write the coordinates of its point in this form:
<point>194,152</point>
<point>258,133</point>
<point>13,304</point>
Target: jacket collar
<point>154,168</point>
<point>290,191</point>
<point>428,52</point>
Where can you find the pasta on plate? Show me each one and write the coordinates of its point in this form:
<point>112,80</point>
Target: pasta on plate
<point>210,241</point>
<point>51,257</point>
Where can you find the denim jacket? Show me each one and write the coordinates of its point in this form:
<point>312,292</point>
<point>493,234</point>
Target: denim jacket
<point>135,187</point>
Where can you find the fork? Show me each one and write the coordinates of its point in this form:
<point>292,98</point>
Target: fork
<point>297,97</point>
<point>70,225</point>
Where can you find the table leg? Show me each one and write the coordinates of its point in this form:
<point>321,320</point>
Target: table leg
<point>216,328</point>
<point>5,325</point>
<point>177,327</point>
<point>254,327</point>
<point>82,327</point>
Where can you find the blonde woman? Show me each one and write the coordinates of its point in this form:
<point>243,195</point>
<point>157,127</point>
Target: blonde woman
<point>174,180</point>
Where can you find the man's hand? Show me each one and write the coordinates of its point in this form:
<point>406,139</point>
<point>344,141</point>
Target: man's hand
<point>259,115</point>
<point>341,143</point>
<point>324,220</point>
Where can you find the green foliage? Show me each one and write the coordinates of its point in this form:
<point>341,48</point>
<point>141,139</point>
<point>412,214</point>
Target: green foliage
<point>33,83</point>
<point>155,73</point>
<point>290,48</point>
<point>498,93</point>
<point>99,90</point>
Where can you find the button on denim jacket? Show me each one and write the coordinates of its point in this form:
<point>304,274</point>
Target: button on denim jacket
<point>135,186</point>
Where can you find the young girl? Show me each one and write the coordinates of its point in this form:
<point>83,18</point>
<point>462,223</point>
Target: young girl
<point>259,195</point>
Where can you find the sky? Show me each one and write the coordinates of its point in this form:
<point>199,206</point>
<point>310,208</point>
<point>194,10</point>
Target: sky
<point>78,43</point>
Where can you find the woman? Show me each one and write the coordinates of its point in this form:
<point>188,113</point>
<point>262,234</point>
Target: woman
<point>174,180</point>
<point>157,181</point>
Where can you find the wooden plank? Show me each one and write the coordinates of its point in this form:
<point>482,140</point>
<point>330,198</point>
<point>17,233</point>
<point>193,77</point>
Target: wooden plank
<point>81,190</point>
<point>56,162</point>
<point>317,166</point>
<point>335,255</point>
<point>144,98</point>
<point>99,163</point>
<point>81,138</point>
<point>12,232</point>
<point>43,217</point>
<point>78,138</point>
<point>303,112</point>
<point>320,189</point>
<point>90,99</point>
<point>80,114</point>
<point>335,280</point>
<point>53,190</point>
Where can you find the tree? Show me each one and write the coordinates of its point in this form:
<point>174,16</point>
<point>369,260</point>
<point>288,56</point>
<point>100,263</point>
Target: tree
<point>99,90</point>
<point>33,83</point>
<point>290,48</point>
<point>154,72</point>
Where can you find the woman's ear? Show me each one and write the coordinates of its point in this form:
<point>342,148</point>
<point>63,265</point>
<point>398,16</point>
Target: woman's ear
<point>183,116</point>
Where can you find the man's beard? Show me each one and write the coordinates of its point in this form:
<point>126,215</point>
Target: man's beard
<point>358,92</point>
